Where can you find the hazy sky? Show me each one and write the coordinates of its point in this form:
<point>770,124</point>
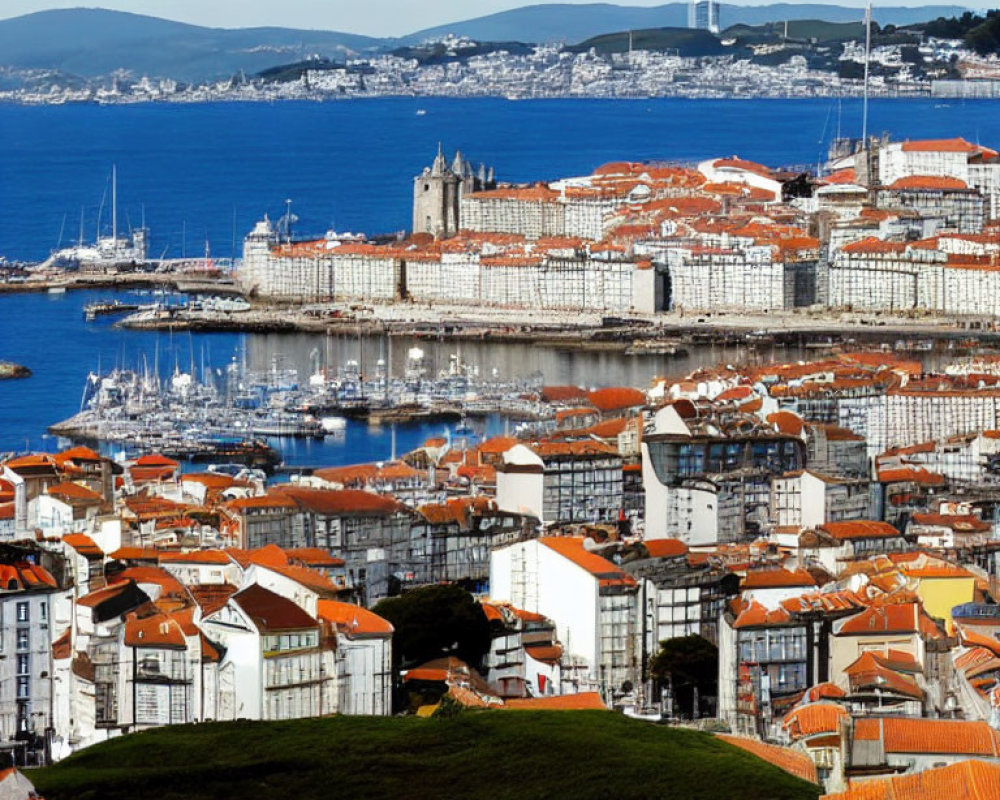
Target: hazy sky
<point>374,17</point>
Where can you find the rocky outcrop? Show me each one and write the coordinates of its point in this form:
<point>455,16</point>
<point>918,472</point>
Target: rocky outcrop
<point>9,370</point>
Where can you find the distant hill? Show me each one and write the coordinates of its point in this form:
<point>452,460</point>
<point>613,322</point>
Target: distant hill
<point>819,30</point>
<point>91,42</point>
<point>503,755</point>
<point>575,23</point>
<point>688,43</point>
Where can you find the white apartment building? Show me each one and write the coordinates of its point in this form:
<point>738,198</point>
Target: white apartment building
<point>591,601</point>
<point>975,165</point>
<point>805,499</point>
<point>274,666</point>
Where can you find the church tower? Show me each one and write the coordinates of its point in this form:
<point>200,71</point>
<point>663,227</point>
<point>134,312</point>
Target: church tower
<point>438,191</point>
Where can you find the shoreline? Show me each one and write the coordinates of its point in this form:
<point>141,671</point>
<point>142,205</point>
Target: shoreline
<point>664,333</point>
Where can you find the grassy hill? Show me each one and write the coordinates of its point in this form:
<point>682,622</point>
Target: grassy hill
<point>500,754</point>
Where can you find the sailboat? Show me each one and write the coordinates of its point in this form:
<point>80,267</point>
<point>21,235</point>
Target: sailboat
<point>106,251</point>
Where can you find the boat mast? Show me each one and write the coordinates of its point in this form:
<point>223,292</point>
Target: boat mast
<point>114,204</point>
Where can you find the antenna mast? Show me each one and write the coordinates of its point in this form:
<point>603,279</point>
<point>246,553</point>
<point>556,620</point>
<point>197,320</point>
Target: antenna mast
<point>868,51</point>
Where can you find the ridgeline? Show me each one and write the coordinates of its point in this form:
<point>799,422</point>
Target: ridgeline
<point>509,755</point>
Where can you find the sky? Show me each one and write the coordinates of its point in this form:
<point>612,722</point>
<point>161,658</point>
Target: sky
<point>371,17</point>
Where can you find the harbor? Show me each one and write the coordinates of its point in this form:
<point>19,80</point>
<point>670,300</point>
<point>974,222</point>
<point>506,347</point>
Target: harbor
<point>214,414</point>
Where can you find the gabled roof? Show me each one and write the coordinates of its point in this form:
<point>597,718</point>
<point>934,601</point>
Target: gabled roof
<point>156,630</point>
<point>571,548</point>
<point>877,620</point>
<point>757,615</point>
<point>352,620</point>
<point>271,612</point>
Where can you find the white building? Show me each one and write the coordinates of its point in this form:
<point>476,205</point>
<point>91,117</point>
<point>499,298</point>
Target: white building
<point>591,601</point>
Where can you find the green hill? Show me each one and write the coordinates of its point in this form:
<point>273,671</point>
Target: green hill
<point>803,29</point>
<point>506,755</point>
<point>688,42</point>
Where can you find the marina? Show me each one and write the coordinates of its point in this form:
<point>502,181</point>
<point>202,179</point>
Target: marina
<point>215,414</point>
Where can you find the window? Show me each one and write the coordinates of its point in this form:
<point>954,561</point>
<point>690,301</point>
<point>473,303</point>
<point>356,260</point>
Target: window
<point>22,612</point>
<point>23,664</point>
<point>43,611</point>
<point>23,687</point>
<point>22,638</point>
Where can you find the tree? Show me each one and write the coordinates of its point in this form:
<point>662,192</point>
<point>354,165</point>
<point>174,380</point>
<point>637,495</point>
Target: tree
<point>686,664</point>
<point>436,621</point>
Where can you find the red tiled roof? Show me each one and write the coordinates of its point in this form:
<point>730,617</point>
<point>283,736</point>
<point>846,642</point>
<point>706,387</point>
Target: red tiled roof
<point>341,501</point>
<point>814,718</point>
<point>665,548</point>
<point>777,577</point>
<point>74,492</point>
<point>353,620</point>
<point>271,612</point>
<point>757,615</point>
<point>582,701</point>
<point>929,182</point>
<point>571,548</point>
<point>616,398</point>
<point>83,544</point>
<point>156,460</point>
<point>893,618</point>
<point>791,761</point>
<point>157,630</point>
<point>859,529</point>
<point>961,523</point>
<point>910,475</point>
<point>922,735</point>
<point>196,557</point>
<point>956,145</point>
<point>966,780</point>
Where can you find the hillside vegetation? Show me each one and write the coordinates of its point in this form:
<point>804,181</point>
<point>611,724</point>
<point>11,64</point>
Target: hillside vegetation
<point>506,755</point>
<point>688,43</point>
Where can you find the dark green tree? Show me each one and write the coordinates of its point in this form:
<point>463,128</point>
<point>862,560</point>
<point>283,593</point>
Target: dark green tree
<point>686,664</point>
<point>433,622</point>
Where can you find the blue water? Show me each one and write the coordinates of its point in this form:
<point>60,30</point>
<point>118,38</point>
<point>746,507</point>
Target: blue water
<point>349,165</point>
<point>207,172</point>
<point>48,333</point>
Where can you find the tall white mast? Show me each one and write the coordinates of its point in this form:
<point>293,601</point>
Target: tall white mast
<point>114,204</point>
<point>868,51</point>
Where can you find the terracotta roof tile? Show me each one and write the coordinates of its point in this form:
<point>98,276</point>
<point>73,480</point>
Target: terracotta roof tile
<point>571,548</point>
<point>921,735</point>
<point>791,761</point>
<point>966,780</point>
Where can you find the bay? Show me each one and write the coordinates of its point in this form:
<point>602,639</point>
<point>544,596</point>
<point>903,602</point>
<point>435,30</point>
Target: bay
<point>204,173</point>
